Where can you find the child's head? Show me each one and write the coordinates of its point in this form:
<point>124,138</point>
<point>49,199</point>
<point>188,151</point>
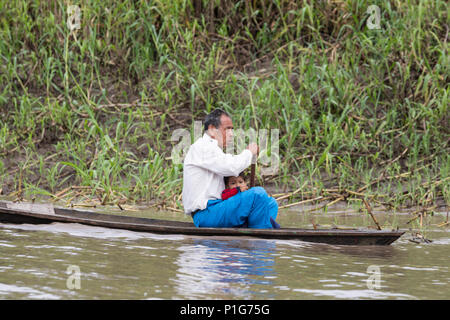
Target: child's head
<point>233,182</point>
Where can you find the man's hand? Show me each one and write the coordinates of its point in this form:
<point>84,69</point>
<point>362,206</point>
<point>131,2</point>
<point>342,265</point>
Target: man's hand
<point>253,147</point>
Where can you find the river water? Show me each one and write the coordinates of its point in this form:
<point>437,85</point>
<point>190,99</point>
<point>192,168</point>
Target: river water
<point>72,261</point>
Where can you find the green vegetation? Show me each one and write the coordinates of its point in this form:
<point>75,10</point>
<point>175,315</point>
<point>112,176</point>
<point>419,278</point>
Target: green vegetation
<point>87,115</point>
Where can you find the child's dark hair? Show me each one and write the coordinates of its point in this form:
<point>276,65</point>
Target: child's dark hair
<point>225,179</point>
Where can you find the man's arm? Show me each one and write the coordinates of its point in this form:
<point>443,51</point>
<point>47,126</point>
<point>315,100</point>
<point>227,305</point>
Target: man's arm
<point>215,160</point>
<point>224,164</point>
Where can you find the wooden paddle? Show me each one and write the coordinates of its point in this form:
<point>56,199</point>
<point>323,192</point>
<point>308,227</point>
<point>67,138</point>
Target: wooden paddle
<point>252,175</point>
<point>253,170</point>
<point>253,165</point>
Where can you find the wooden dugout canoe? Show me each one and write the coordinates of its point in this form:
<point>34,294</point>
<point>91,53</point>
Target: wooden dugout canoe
<point>45,213</point>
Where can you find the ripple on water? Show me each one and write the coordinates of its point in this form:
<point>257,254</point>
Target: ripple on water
<point>7,245</point>
<point>30,293</point>
<point>79,230</point>
<point>355,294</point>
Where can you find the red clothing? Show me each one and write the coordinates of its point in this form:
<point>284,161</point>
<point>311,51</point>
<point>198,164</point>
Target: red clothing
<point>228,193</point>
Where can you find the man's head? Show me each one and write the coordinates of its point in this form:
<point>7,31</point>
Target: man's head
<point>233,182</point>
<point>219,126</point>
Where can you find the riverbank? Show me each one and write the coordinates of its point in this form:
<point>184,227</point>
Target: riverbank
<point>89,114</point>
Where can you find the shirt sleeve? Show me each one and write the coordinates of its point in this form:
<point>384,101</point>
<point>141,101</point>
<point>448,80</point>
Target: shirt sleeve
<point>224,164</point>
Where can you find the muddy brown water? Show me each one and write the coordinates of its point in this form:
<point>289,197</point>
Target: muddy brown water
<point>72,261</point>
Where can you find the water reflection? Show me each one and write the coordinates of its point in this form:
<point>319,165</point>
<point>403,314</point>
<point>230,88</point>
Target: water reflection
<point>225,268</point>
<point>366,252</point>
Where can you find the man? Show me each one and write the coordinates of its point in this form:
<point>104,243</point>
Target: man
<point>206,165</point>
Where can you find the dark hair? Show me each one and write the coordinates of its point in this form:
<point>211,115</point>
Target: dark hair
<point>214,118</point>
<point>225,179</point>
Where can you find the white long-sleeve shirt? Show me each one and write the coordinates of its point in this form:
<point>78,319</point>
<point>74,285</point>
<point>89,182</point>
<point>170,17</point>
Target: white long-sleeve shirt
<point>204,166</point>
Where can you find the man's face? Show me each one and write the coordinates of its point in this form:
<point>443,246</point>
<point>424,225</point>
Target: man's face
<point>223,134</point>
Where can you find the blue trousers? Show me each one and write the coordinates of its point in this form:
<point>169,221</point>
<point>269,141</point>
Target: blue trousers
<point>253,206</point>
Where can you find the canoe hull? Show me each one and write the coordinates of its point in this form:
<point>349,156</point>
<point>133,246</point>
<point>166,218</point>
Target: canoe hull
<point>43,215</point>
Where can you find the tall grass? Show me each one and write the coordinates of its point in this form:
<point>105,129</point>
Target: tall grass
<point>359,110</point>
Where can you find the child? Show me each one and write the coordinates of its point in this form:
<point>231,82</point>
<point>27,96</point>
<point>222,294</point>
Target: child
<point>234,185</point>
